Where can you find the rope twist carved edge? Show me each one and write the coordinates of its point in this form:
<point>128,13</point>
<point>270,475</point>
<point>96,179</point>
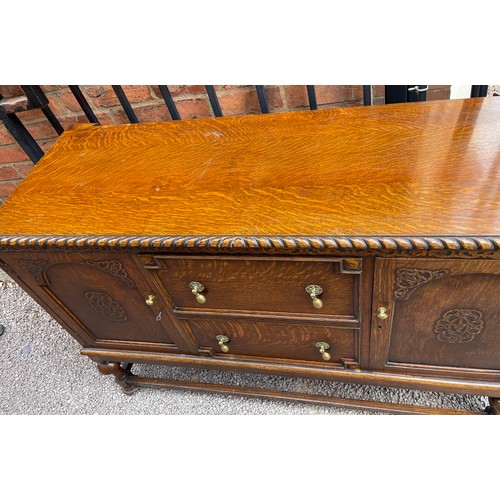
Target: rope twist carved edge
<point>274,244</point>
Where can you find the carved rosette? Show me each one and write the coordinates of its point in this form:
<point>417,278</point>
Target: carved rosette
<point>106,306</point>
<point>35,268</point>
<point>115,268</point>
<point>458,326</point>
<point>408,280</point>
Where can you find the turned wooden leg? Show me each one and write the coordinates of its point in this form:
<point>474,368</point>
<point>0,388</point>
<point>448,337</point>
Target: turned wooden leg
<point>121,374</point>
<point>494,408</point>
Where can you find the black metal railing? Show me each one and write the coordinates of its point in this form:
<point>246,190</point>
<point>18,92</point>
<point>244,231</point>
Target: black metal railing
<point>35,98</point>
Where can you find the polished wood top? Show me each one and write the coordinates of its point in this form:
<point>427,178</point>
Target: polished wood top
<point>413,169</point>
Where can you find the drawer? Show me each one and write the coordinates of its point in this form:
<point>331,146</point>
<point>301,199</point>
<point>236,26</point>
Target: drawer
<point>276,340</point>
<point>262,284</point>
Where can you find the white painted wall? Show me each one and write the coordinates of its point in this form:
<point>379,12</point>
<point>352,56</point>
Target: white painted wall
<point>460,91</point>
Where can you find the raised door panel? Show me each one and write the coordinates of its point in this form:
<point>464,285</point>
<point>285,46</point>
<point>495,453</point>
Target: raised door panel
<point>101,298</point>
<point>443,317</point>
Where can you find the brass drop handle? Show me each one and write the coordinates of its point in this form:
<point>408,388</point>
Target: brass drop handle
<point>323,346</point>
<point>314,291</point>
<point>151,299</point>
<point>196,288</point>
<point>223,340</point>
<point>382,312</point>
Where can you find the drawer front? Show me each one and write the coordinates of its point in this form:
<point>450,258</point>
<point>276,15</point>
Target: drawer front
<point>262,284</point>
<point>277,340</point>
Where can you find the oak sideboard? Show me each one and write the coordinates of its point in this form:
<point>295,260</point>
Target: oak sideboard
<point>355,244</point>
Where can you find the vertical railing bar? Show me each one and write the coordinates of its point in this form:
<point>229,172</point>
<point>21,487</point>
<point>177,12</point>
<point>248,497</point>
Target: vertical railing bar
<point>262,98</point>
<point>311,94</point>
<point>20,133</point>
<point>53,120</point>
<point>167,97</point>
<point>89,113</point>
<point>479,91</point>
<point>37,99</point>
<point>367,95</point>
<point>125,103</point>
<point>214,101</point>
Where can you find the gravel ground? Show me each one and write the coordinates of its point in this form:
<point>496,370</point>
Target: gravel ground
<point>42,372</point>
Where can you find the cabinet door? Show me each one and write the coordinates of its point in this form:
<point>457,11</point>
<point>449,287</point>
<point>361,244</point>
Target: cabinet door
<point>443,317</point>
<point>98,297</point>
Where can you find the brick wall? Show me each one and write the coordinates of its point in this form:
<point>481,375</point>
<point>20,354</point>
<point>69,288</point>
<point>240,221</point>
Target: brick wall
<point>191,101</point>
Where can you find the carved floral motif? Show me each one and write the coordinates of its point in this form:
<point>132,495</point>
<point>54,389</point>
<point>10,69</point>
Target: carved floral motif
<point>458,326</point>
<point>113,267</point>
<point>106,306</point>
<point>35,268</point>
<point>408,280</point>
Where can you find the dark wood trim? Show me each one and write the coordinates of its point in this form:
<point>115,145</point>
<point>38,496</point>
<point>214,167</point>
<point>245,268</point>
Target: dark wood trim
<point>296,397</point>
<point>448,385</point>
<point>275,245</point>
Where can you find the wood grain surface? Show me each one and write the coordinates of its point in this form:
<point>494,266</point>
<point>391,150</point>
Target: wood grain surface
<point>283,341</point>
<point>404,169</point>
<point>443,317</point>
<point>261,285</point>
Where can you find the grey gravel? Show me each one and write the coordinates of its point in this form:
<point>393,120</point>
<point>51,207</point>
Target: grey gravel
<point>42,372</point>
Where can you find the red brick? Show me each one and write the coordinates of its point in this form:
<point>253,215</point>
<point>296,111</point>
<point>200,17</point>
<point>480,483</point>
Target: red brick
<point>24,168</point>
<point>329,94</point>
<point>101,95</point>
<point>137,93</point>
<point>379,91</point>
<point>41,130</point>
<point>11,154</point>
<point>186,90</point>
<point>357,92</point>
<point>157,93</point>
<point>104,95</point>
<point>46,145</point>
<point>69,122</point>
<point>31,115</point>
<point>343,104</point>
<point>50,88</point>
<point>119,116</point>
<point>193,108</point>
<point>55,105</point>
<point>273,95</point>
<point>296,96</point>
<point>156,112</point>
<point>105,118</point>
<point>8,173</point>
<point>5,137</point>
<point>7,91</point>
<point>70,102</point>
<point>239,102</point>
<point>7,188</point>
<point>230,87</point>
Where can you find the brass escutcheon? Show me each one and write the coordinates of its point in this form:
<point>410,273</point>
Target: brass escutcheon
<point>196,288</point>
<point>323,346</point>
<point>222,341</point>
<point>151,299</point>
<point>314,291</point>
